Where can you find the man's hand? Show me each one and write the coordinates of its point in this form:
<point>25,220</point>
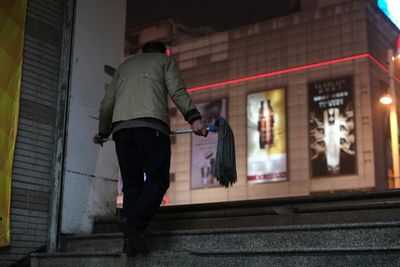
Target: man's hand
<point>98,139</point>
<point>199,128</point>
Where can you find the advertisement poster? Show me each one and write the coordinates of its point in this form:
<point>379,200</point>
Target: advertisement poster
<point>204,150</point>
<point>266,136</point>
<point>331,125</point>
<point>12,27</point>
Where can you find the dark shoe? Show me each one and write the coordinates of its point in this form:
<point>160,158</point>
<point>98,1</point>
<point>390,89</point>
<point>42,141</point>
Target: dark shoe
<point>136,241</point>
<point>128,250</point>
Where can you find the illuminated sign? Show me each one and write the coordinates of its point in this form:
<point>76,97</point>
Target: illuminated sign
<point>266,136</point>
<point>391,8</point>
<point>332,128</point>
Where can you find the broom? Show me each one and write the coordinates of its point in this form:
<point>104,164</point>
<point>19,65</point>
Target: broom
<point>225,161</point>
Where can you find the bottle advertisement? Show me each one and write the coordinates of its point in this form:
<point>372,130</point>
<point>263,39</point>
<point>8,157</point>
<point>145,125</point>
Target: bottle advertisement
<point>331,126</point>
<point>266,136</point>
<point>204,150</point>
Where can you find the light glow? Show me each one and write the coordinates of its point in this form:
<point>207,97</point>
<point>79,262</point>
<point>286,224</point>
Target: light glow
<point>391,8</point>
<point>386,99</point>
<point>289,70</point>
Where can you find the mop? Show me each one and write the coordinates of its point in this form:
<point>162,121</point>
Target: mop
<point>225,162</point>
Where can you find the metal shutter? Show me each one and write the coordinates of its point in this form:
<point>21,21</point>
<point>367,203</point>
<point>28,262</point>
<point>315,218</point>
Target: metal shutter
<point>35,147</point>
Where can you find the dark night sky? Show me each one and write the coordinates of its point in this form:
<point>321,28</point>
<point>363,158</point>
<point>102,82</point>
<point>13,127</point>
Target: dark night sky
<point>218,14</point>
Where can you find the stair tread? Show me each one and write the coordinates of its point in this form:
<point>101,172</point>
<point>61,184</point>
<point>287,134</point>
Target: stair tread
<point>95,236</point>
<point>277,228</point>
<point>290,250</point>
<point>240,229</point>
<point>356,200</point>
<point>218,252</point>
<point>76,254</point>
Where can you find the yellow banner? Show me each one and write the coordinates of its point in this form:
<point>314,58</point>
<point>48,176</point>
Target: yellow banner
<point>12,27</point>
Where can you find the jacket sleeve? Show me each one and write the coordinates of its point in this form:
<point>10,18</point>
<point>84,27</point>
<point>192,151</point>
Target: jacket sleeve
<point>107,106</point>
<point>177,91</point>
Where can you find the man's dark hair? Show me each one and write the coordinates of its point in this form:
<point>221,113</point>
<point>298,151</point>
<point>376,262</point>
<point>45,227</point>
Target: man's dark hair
<point>154,46</point>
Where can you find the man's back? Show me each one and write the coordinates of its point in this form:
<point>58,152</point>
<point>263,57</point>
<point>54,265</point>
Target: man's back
<point>141,90</point>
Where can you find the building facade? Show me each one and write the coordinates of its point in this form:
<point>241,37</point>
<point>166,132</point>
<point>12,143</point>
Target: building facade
<point>327,62</point>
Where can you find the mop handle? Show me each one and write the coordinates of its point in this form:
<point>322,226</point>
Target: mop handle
<point>211,128</point>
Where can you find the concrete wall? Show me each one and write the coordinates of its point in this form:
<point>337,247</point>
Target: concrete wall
<point>309,37</point>
<point>91,171</point>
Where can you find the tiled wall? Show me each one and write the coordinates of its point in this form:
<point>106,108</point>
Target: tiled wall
<point>297,40</point>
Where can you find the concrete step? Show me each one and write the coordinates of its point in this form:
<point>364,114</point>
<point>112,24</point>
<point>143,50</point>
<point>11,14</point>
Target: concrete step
<point>312,218</point>
<point>360,229</point>
<point>108,242</point>
<point>266,239</point>
<point>282,206</point>
<point>384,258</point>
<point>73,259</point>
<point>281,239</point>
<point>86,259</point>
<point>318,259</point>
<point>309,218</point>
<point>345,208</point>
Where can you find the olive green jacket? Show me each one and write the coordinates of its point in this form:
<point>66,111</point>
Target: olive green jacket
<point>139,89</point>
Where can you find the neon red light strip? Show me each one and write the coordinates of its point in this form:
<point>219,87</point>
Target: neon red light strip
<point>288,70</point>
<point>380,65</point>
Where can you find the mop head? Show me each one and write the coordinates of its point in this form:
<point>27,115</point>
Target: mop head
<point>225,162</point>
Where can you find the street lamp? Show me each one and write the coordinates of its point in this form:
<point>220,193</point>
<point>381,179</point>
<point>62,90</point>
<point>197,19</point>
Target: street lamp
<point>386,99</point>
<point>390,99</point>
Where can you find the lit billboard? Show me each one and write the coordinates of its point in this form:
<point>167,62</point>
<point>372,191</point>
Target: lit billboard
<point>266,136</point>
<point>332,127</point>
<point>391,8</point>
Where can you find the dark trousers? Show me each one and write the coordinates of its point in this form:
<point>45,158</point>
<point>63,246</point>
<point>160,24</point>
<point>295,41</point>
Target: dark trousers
<point>139,151</point>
